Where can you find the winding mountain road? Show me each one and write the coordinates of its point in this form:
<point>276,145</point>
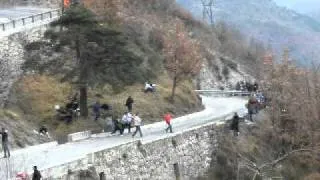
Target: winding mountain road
<point>46,156</point>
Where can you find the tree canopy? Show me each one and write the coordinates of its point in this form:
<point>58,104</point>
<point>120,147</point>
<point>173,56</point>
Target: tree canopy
<point>111,61</point>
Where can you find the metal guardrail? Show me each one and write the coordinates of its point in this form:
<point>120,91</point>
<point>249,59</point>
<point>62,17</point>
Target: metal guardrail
<point>16,23</point>
<point>224,93</point>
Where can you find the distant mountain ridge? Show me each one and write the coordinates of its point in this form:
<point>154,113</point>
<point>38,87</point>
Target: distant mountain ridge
<point>315,15</point>
<point>266,21</point>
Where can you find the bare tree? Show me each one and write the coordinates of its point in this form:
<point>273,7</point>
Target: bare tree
<point>183,58</point>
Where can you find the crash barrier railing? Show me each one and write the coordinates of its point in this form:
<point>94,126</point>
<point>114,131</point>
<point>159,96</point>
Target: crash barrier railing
<point>25,21</point>
<point>223,93</point>
<point>79,136</point>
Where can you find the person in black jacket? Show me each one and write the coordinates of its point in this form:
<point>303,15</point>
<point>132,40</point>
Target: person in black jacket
<point>5,142</point>
<point>235,124</point>
<point>36,174</point>
<point>129,103</point>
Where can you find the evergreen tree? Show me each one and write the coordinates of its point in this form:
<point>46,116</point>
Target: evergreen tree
<point>99,50</point>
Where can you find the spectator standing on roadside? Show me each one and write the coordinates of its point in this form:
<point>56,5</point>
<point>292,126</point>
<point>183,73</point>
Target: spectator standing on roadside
<point>235,124</point>
<point>126,121</point>
<point>129,103</point>
<point>36,174</point>
<point>137,123</point>
<point>5,142</point>
<point>96,110</point>
<point>167,117</point>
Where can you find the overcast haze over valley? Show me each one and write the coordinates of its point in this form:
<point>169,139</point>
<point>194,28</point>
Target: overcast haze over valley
<point>302,6</point>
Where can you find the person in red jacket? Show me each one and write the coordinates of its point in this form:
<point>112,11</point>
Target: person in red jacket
<point>167,117</point>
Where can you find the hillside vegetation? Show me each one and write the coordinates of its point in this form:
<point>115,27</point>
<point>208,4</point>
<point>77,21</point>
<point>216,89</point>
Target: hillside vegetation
<point>49,77</point>
<point>276,26</point>
<point>283,141</point>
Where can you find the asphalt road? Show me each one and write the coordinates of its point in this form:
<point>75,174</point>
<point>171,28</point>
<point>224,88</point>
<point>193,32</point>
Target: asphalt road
<point>7,14</point>
<point>217,109</point>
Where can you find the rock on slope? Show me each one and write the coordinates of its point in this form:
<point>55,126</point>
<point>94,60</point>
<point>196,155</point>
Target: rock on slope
<point>21,133</point>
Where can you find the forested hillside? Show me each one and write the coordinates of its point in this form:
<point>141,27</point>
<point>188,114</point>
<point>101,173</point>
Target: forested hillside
<point>279,27</point>
<point>129,43</point>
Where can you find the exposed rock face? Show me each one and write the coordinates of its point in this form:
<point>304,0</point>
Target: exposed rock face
<point>187,155</point>
<point>214,75</point>
<point>12,57</point>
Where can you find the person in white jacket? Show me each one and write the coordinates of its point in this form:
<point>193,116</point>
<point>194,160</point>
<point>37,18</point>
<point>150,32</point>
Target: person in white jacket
<point>137,123</point>
<point>126,121</point>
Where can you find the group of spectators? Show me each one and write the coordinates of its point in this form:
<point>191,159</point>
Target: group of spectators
<point>256,102</point>
<point>130,119</point>
<point>70,111</point>
<point>247,86</point>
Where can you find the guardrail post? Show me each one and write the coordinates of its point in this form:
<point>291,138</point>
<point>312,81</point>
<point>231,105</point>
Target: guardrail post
<point>3,27</point>
<point>50,14</point>
<point>32,17</point>
<point>14,24</point>
<point>23,21</point>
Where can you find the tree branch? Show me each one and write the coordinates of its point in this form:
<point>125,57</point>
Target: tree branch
<point>284,157</point>
<point>257,169</point>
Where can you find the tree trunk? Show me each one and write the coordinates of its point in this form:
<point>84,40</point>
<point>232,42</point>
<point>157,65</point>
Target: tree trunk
<point>173,92</point>
<point>198,82</point>
<point>82,81</point>
<point>83,101</point>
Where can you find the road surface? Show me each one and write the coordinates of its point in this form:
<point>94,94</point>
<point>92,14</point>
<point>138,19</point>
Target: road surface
<point>217,109</point>
<point>17,13</point>
<point>8,14</point>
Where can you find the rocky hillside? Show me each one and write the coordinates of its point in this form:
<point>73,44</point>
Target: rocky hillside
<point>227,58</point>
<point>21,132</point>
<point>274,25</point>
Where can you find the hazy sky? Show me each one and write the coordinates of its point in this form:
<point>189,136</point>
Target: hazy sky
<point>303,6</point>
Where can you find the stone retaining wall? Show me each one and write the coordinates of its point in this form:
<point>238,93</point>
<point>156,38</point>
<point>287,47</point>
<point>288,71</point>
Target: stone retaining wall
<point>12,57</point>
<point>187,155</point>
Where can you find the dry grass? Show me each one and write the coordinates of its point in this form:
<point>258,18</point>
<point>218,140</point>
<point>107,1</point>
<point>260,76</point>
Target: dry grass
<point>313,176</point>
<point>38,94</point>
